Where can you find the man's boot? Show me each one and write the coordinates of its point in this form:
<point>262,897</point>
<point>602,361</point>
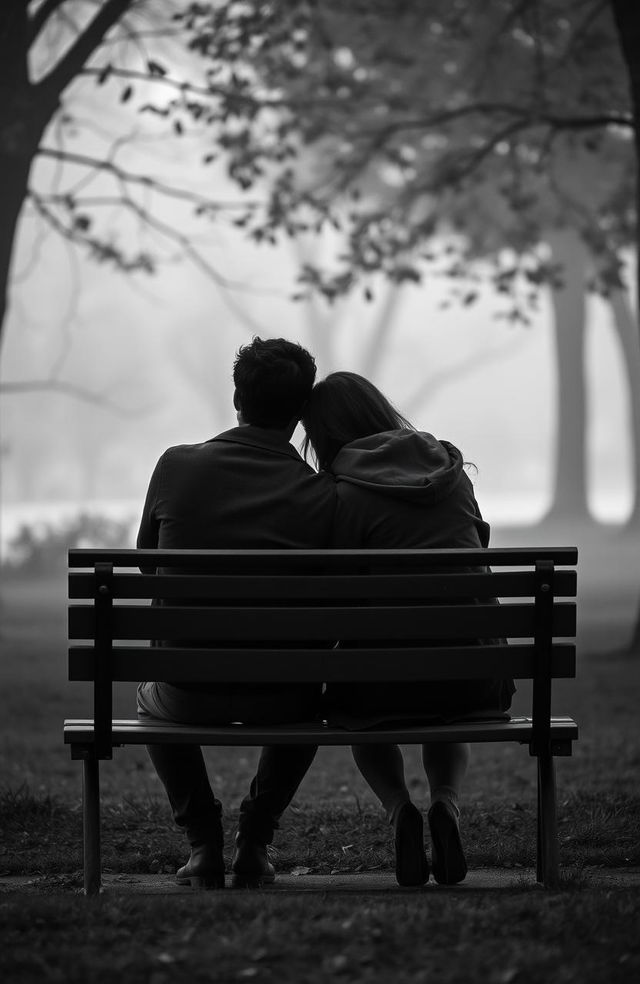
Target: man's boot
<point>205,867</point>
<point>250,865</point>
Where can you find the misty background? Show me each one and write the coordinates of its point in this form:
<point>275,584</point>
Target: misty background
<point>158,353</point>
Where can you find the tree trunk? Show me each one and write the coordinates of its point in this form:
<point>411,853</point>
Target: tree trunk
<point>626,328</point>
<point>27,108</point>
<point>385,316</point>
<point>19,132</point>
<point>15,176</point>
<point>570,472</point>
<point>322,332</point>
<point>18,145</point>
<point>626,15</point>
<point>627,20</point>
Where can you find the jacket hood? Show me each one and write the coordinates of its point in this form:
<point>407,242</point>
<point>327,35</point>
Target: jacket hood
<point>405,464</point>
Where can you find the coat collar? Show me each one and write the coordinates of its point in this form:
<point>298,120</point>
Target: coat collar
<point>258,437</point>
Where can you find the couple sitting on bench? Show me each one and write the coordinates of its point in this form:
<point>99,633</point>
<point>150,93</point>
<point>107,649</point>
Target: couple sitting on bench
<point>380,484</point>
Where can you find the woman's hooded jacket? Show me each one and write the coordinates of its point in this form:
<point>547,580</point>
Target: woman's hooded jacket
<point>405,489</point>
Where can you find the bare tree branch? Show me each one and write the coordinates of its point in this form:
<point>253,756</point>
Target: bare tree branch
<point>148,220</point>
<point>186,248</point>
<point>466,162</point>
<point>471,161</point>
<point>145,180</point>
<point>210,89</point>
<point>582,28</point>
<point>81,50</point>
<point>69,389</point>
<point>136,75</point>
<point>41,17</point>
<point>100,248</point>
<point>35,257</point>
<point>524,116</point>
<point>430,119</point>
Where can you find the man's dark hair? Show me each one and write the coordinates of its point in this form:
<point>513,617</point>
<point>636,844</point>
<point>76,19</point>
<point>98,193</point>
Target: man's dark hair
<point>273,380</point>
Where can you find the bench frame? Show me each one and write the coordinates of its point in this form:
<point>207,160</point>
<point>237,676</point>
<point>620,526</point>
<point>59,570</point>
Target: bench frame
<point>95,575</point>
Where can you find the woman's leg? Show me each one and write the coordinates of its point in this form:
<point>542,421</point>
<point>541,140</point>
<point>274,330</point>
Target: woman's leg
<point>446,765</point>
<point>383,768</point>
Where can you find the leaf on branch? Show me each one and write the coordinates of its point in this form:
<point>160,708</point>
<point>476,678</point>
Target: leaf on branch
<point>402,273</point>
<point>104,74</point>
<point>149,108</point>
<point>82,223</point>
<point>155,68</point>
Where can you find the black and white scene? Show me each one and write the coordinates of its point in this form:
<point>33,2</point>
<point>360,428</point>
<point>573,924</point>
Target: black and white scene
<point>319,491</point>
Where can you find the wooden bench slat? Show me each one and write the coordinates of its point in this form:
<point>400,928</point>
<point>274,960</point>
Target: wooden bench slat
<point>512,584</point>
<point>136,663</point>
<point>338,561</point>
<point>399,622</point>
<point>134,732</point>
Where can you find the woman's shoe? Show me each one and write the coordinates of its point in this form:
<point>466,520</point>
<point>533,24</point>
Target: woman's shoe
<point>412,868</point>
<point>447,857</point>
<point>204,869</point>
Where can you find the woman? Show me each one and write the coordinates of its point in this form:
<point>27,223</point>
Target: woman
<point>398,487</point>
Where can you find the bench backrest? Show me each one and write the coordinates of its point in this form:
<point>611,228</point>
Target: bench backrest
<point>269,616</point>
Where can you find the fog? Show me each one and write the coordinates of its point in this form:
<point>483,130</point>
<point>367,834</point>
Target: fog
<point>134,363</point>
<point>157,354</point>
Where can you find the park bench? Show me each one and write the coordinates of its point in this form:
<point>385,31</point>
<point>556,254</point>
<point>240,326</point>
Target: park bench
<point>253,607</point>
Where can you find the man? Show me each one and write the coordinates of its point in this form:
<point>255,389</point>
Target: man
<point>246,488</point>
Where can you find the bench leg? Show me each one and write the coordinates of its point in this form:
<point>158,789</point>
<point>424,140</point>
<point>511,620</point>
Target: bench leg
<point>548,860</point>
<point>91,824</point>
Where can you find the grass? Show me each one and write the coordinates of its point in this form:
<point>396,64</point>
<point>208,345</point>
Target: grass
<point>514,936</point>
<point>42,836</point>
<point>579,933</point>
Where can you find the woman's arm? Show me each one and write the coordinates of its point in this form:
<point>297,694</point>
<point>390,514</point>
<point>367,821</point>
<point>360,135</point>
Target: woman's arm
<point>348,531</point>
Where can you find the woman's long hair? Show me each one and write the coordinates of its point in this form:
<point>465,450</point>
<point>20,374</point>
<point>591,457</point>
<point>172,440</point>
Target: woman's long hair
<point>342,408</point>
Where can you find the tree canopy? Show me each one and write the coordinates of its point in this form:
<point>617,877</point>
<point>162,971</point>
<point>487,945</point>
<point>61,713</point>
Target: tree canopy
<point>429,133</point>
<point>65,67</point>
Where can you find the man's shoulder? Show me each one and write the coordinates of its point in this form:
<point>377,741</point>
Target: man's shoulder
<point>229,449</point>
<point>181,450</point>
<point>257,439</point>
<point>208,446</point>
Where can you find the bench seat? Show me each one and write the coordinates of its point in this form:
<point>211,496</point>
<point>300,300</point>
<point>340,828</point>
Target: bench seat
<point>80,733</point>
